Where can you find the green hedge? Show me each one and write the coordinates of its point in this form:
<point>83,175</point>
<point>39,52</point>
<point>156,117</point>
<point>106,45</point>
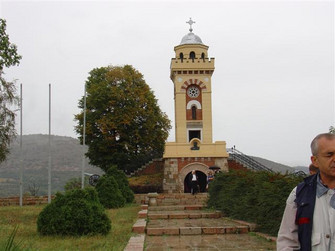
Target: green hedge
<point>258,197</point>
<point>76,213</point>
<point>123,184</point>
<point>109,193</point>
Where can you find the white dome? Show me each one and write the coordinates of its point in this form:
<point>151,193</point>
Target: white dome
<point>191,38</point>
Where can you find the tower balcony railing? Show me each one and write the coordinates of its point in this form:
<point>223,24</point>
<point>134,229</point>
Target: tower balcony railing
<point>193,60</point>
<point>197,63</point>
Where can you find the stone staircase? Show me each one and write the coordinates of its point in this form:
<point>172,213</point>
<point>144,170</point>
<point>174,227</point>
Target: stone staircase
<point>191,218</point>
<point>153,166</point>
<point>182,215</point>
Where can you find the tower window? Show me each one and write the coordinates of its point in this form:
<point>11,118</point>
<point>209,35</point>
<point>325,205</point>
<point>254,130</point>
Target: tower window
<point>203,56</point>
<point>194,112</point>
<point>193,134</point>
<point>192,55</point>
<point>181,55</point>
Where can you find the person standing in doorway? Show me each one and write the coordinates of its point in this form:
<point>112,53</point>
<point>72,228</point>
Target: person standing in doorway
<point>194,182</point>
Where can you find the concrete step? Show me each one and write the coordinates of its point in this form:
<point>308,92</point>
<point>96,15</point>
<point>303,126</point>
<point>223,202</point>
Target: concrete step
<point>183,214</point>
<point>194,226</point>
<point>213,242</point>
<point>176,207</point>
<point>182,199</point>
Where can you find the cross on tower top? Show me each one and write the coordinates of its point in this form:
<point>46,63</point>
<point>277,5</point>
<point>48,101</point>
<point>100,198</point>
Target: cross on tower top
<point>190,22</point>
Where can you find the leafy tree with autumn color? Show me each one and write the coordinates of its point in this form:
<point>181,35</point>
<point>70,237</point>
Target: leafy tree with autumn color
<point>124,125</point>
<point>8,96</point>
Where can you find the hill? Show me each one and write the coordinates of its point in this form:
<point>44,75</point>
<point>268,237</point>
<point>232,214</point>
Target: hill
<point>66,163</point>
<point>277,167</point>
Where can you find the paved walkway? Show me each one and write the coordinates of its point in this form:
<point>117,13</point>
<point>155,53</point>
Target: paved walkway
<point>241,242</point>
<point>180,225</point>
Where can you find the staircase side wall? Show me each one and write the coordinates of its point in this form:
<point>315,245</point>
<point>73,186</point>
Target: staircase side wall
<point>233,165</point>
<point>154,167</point>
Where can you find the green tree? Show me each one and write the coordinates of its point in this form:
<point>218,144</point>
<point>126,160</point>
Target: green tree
<point>8,96</point>
<point>332,129</point>
<point>124,125</point>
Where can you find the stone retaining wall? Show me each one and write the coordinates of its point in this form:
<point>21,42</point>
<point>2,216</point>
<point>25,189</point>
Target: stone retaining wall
<point>26,200</point>
<point>180,198</point>
<point>175,198</point>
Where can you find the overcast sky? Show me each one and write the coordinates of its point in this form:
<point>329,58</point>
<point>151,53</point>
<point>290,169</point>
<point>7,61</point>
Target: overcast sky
<point>273,85</point>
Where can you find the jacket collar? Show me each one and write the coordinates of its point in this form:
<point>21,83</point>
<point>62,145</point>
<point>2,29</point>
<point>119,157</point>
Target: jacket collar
<point>321,189</point>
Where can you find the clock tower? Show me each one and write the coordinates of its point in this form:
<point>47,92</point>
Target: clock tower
<point>191,71</point>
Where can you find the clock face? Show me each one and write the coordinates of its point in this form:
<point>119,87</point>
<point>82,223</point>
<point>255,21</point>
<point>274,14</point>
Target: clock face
<point>193,92</point>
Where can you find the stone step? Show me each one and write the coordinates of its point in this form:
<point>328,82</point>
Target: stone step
<point>135,243</point>
<point>183,214</point>
<point>142,214</point>
<point>195,226</point>
<point>176,207</point>
<point>182,199</point>
<point>139,226</point>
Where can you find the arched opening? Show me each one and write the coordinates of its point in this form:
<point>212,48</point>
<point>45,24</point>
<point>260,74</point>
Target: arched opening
<point>181,56</point>
<point>192,55</point>
<point>194,112</point>
<point>202,182</point>
<point>203,56</point>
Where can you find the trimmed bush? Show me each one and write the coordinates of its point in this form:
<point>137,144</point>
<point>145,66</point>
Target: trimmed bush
<point>76,213</point>
<point>109,193</point>
<point>258,197</point>
<point>123,183</point>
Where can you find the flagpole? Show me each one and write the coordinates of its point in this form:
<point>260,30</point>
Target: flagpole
<point>49,147</point>
<point>84,143</point>
<point>21,161</point>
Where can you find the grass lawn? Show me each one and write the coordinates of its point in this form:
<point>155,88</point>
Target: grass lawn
<point>28,239</point>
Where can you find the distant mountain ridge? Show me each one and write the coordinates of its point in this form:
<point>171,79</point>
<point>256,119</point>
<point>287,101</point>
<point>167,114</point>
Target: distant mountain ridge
<point>66,163</point>
<point>274,166</point>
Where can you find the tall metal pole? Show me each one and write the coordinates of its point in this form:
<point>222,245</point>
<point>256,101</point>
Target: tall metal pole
<point>21,161</point>
<point>84,143</point>
<point>49,145</point>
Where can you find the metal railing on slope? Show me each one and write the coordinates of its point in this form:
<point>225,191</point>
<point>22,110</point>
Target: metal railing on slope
<point>246,161</point>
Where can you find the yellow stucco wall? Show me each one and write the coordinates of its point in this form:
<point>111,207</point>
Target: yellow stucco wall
<point>186,49</point>
<point>179,150</point>
<point>207,117</point>
<point>180,117</point>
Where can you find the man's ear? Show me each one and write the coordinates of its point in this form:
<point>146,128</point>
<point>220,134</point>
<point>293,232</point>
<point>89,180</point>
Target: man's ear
<point>314,160</point>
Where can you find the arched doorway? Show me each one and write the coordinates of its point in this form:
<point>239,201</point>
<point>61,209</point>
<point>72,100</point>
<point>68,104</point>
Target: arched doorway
<point>185,173</point>
<point>202,182</point>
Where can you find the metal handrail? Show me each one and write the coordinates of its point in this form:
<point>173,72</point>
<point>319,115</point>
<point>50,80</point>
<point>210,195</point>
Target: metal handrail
<point>247,161</point>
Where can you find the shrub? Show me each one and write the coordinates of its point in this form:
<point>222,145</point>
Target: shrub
<point>78,212</point>
<point>109,193</point>
<point>123,183</point>
<point>258,197</point>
